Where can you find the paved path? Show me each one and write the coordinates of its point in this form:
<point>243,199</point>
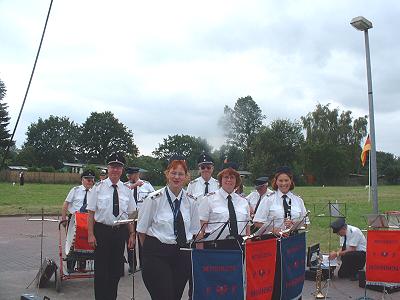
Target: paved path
<point>20,260</point>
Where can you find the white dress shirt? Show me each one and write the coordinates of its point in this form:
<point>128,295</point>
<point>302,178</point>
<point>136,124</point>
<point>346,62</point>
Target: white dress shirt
<point>100,200</point>
<point>197,187</point>
<point>271,209</point>
<point>254,196</point>
<point>214,208</point>
<point>157,219</point>
<point>75,198</point>
<point>355,238</point>
<point>142,191</point>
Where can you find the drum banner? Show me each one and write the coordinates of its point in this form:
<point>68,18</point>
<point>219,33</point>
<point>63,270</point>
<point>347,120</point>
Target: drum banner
<point>293,254</point>
<point>260,269</point>
<point>383,256</point>
<point>217,274</point>
<point>81,237</point>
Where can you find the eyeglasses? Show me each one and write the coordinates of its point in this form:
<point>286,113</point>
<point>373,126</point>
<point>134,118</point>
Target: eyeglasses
<point>177,174</point>
<point>208,167</point>
<point>228,177</point>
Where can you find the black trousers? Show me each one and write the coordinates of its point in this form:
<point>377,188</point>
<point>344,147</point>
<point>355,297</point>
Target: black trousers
<point>108,260</point>
<point>132,260</point>
<point>351,263</point>
<point>166,269</point>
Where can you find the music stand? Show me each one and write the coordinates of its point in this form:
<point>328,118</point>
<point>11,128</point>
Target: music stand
<point>221,237</point>
<point>377,221</point>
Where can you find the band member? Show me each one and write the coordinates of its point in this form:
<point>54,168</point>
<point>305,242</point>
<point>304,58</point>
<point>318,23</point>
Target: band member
<point>261,191</point>
<point>225,205</point>
<point>109,201</point>
<point>77,201</point>
<point>282,207</point>
<point>103,174</point>
<point>167,222</point>
<point>204,184</point>
<point>353,249</point>
<point>140,189</point>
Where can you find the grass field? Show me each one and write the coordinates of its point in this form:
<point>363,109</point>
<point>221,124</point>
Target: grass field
<point>30,198</point>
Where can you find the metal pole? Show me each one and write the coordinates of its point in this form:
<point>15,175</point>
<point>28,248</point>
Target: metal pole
<point>374,173</point>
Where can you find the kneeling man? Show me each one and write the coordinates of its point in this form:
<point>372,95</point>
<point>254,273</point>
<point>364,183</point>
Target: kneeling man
<point>353,249</point>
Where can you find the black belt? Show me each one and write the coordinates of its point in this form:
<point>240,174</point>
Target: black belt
<point>111,227</point>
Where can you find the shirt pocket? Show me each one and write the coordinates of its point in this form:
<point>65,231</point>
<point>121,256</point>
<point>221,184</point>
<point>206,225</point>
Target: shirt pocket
<point>102,202</point>
<point>219,214</point>
<point>241,214</point>
<point>123,204</point>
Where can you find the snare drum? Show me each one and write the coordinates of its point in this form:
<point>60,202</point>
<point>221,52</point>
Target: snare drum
<point>77,235</point>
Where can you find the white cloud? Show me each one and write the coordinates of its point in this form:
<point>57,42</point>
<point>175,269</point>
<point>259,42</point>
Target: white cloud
<point>169,67</point>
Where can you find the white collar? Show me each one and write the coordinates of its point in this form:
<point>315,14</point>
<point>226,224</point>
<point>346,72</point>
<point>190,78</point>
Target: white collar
<point>172,195</point>
<point>224,193</point>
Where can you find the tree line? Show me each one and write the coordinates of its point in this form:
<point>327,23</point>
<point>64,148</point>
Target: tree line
<point>323,147</point>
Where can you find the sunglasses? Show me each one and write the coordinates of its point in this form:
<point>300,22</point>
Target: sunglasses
<point>208,167</point>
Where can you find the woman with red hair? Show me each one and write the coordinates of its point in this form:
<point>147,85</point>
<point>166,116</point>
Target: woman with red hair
<point>225,205</point>
<point>281,207</point>
<point>166,223</point>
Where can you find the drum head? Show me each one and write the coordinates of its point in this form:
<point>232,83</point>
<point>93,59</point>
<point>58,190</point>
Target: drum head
<point>69,241</point>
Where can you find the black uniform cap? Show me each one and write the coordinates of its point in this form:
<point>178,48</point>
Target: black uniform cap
<point>232,165</point>
<point>88,174</point>
<point>103,172</point>
<point>261,181</point>
<point>283,169</point>
<point>116,158</point>
<point>176,157</point>
<point>338,224</point>
<point>132,170</point>
<point>205,159</point>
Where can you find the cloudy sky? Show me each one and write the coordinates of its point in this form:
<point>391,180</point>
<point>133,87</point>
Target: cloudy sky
<point>169,67</point>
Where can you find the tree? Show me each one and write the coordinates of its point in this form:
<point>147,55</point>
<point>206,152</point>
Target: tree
<point>153,166</point>
<point>102,134</point>
<point>230,153</point>
<point>51,141</point>
<point>278,144</point>
<point>188,146</point>
<point>241,125</point>
<point>4,119</point>
<point>332,146</point>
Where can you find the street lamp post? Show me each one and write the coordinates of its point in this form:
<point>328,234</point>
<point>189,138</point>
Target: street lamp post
<point>362,24</point>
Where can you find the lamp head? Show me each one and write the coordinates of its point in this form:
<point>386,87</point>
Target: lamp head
<point>361,23</point>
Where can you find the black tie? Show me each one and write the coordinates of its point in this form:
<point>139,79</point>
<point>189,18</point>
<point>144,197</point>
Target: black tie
<point>233,229</point>
<point>115,201</point>
<point>344,243</point>
<point>258,203</point>
<point>287,207</point>
<point>180,227</point>
<point>83,208</point>
<point>206,190</point>
<point>135,193</point>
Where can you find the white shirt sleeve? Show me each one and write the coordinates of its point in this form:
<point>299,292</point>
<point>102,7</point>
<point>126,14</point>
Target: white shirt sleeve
<point>353,239</point>
<point>131,203</point>
<point>204,210</point>
<point>263,210</point>
<point>146,215</point>
<point>70,196</point>
<point>92,199</point>
<point>194,219</point>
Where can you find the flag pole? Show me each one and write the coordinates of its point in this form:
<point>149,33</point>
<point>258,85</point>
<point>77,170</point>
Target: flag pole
<point>369,178</point>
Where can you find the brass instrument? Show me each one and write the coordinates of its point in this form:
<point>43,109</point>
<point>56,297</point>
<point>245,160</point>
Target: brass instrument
<point>318,280</point>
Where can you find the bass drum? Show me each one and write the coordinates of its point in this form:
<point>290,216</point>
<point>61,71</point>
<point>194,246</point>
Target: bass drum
<point>77,235</point>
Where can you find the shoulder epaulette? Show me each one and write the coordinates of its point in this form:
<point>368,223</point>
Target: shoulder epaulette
<point>194,180</point>
<point>214,179</point>
<point>76,187</point>
<point>99,183</point>
<point>144,181</point>
<point>273,193</point>
<point>210,194</point>
<point>191,196</point>
<point>155,194</point>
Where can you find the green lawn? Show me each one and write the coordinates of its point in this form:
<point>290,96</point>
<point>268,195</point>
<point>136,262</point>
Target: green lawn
<point>30,198</point>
